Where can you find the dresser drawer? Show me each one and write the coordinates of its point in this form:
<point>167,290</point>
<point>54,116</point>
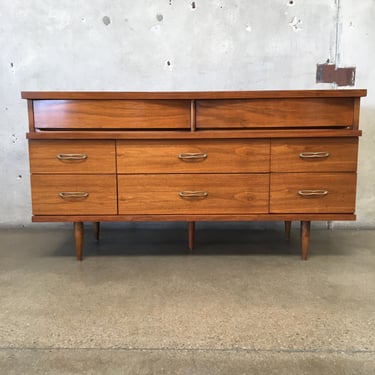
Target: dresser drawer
<point>208,156</point>
<point>74,194</point>
<point>314,155</point>
<point>193,194</point>
<point>274,113</point>
<point>72,156</point>
<point>312,192</point>
<point>112,114</point>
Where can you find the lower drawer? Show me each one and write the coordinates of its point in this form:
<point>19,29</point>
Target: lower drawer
<point>74,194</point>
<point>193,194</point>
<point>312,192</point>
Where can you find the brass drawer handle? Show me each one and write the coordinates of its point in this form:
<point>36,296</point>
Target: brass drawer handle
<point>192,156</point>
<point>64,157</point>
<point>314,155</point>
<point>312,193</point>
<point>193,194</point>
<point>73,195</point>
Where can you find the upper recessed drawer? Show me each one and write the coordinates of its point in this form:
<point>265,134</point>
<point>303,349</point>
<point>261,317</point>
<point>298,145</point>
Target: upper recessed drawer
<point>72,156</point>
<point>111,114</point>
<point>193,156</point>
<point>275,113</point>
<point>314,155</point>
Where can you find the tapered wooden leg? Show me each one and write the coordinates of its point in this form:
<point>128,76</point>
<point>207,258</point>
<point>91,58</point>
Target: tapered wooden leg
<point>78,237</point>
<point>305,239</point>
<point>191,226</point>
<point>97,230</point>
<point>288,226</point>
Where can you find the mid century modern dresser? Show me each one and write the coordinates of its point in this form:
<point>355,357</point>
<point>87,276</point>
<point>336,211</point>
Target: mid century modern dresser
<point>193,156</point>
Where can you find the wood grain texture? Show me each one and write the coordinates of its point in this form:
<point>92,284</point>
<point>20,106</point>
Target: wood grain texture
<point>101,191</point>
<point>357,103</point>
<point>201,134</point>
<point>189,95</point>
<point>159,194</point>
<point>284,197</point>
<point>101,156</point>
<point>191,235</point>
<point>112,114</point>
<point>343,152</point>
<point>78,238</point>
<point>305,239</point>
<point>193,217</point>
<point>273,113</point>
<point>30,114</point>
<point>222,156</point>
<point>251,169</point>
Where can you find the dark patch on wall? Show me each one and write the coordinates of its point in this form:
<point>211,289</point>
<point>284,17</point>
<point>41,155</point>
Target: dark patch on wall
<point>106,20</point>
<point>14,139</point>
<point>330,73</point>
<point>159,17</point>
<point>193,5</point>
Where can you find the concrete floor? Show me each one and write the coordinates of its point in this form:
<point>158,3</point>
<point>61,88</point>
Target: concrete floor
<point>139,304</point>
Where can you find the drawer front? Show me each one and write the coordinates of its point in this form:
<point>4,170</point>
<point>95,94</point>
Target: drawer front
<point>193,194</point>
<point>74,195</point>
<point>193,156</point>
<point>314,155</point>
<point>112,114</point>
<point>312,192</point>
<point>273,113</point>
<point>72,156</point>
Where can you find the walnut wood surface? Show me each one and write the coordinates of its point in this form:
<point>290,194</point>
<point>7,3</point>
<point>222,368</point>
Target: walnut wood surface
<point>191,235</point>
<point>222,156</point>
<point>78,237</point>
<point>284,197</point>
<point>116,95</point>
<point>272,113</point>
<point>101,157</point>
<point>253,169</point>
<point>46,200</point>
<point>201,134</point>
<point>112,114</point>
<point>285,155</point>
<point>305,239</point>
<point>159,194</point>
<point>193,217</point>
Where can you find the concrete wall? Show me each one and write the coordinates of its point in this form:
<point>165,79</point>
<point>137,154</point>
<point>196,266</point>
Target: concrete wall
<point>175,45</point>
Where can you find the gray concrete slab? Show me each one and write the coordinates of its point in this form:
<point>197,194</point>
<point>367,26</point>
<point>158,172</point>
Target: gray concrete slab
<point>185,362</point>
<point>139,303</point>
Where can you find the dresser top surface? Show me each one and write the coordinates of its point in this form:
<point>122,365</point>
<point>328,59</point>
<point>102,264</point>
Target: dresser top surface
<point>188,95</point>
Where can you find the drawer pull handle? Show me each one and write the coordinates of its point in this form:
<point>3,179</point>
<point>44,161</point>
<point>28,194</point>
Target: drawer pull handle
<point>192,156</point>
<point>193,194</point>
<point>64,157</point>
<point>314,155</point>
<point>312,193</point>
<point>73,195</point>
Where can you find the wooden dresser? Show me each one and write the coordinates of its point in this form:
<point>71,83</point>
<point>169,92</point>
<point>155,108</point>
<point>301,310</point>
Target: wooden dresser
<point>193,156</point>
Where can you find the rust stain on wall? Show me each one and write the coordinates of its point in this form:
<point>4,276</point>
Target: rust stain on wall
<point>330,73</point>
